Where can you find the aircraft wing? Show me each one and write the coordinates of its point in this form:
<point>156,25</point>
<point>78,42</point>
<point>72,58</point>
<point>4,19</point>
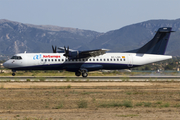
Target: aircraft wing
<point>74,54</point>
<point>63,49</point>
<point>93,53</point>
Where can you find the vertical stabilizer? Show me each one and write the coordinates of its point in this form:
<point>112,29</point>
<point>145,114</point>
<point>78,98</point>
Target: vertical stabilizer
<point>158,44</point>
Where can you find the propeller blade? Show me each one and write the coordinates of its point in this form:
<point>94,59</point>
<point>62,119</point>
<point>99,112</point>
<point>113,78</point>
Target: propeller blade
<point>54,49</point>
<point>61,48</point>
<point>66,51</point>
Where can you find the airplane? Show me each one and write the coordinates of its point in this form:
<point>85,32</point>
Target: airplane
<point>81,62</point>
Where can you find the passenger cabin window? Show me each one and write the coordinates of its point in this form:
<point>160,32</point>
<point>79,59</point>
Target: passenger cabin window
<point>16,57</point>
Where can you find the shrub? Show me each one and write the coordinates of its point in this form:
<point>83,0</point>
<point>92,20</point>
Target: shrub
<point>165,105</point>
<point>139,104</point>
<point>28,80</point>
<point>111,104</point>
<point>124,103</point>
<point>147,104</point>
<point>82,104</point>
<point>177,105</point>
<point>69,86</point>
<point>127,103</point>
<point>42,79</point>
<point>59,106</point>
<point>159,102</point>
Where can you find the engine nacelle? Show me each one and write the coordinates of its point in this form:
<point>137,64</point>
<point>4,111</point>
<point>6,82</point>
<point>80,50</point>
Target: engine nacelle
<point>73,55</point>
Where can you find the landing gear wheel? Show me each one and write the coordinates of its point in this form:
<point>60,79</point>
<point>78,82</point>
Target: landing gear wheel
<point>85,74</point>
<point>78,73</point>
<point>13,74</point>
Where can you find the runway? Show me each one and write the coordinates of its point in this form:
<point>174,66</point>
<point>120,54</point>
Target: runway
<point>89,79</point>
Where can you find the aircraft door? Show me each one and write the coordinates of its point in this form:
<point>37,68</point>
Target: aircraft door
<point>42,61</point>
<point>130,60</point>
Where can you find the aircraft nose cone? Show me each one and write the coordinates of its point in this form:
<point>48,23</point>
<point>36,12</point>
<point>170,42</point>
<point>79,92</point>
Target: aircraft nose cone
<point>6,65</point>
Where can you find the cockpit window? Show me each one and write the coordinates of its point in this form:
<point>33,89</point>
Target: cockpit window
<point>17,57</point>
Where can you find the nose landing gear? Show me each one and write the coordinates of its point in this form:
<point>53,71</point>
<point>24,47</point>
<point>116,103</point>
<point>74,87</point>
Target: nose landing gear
<point>13,74</point>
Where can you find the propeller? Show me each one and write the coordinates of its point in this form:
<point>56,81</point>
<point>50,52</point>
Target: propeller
<point>66,51</point>
<point>54,49</point>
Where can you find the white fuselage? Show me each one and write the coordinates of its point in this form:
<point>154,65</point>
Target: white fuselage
<point>56,61</point>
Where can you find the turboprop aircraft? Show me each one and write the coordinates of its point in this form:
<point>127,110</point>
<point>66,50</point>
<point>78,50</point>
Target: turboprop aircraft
<point>81,62</point>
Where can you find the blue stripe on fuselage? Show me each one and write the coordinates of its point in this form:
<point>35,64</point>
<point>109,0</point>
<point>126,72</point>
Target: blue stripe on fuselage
<point>76,66</point>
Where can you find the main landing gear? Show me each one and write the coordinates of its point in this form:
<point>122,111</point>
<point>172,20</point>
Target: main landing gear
<point>83,72</point>
<point>78,73</point>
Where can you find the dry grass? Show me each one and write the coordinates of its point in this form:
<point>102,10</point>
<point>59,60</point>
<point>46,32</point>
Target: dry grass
<point>154,100</point>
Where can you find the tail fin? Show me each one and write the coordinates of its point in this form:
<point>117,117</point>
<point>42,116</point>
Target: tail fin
<point>158,44</point>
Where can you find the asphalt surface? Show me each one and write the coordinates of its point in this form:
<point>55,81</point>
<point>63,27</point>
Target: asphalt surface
<point>89,79</point>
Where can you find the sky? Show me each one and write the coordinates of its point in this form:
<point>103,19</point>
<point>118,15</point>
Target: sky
<point>96,15</point>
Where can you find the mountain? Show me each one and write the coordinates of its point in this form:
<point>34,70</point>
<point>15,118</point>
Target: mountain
<point>136,35</point>
<point>18,37</point>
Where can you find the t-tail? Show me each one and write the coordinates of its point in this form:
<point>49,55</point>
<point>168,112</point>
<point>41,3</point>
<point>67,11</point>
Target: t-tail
<point>158,44</point>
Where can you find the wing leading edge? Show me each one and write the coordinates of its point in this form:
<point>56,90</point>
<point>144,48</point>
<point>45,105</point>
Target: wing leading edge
<point>93,53</point>
<point>73,54</point>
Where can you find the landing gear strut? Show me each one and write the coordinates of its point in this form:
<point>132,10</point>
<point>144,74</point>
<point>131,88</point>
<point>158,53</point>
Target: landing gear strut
<point>13,74</point>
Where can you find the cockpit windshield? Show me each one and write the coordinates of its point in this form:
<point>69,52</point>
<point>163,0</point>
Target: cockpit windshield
<point>16,57</point>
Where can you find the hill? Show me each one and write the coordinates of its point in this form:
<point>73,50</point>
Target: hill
<point>18,37</point>
<point>136,35</point>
